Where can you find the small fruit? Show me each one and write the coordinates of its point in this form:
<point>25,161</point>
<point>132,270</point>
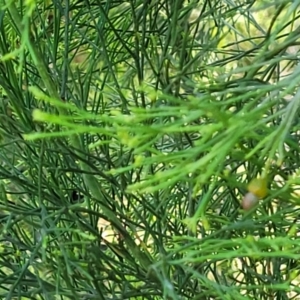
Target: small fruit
<point>249,201</point>
<point>257,188</point>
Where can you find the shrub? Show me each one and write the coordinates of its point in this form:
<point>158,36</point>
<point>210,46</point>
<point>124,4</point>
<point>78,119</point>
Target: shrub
<point>129,134</point>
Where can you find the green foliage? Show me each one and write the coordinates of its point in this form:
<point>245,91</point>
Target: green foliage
<point>129,133</point>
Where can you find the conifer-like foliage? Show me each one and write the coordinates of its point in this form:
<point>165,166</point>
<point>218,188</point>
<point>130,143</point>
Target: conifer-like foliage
<point>149,149</point>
